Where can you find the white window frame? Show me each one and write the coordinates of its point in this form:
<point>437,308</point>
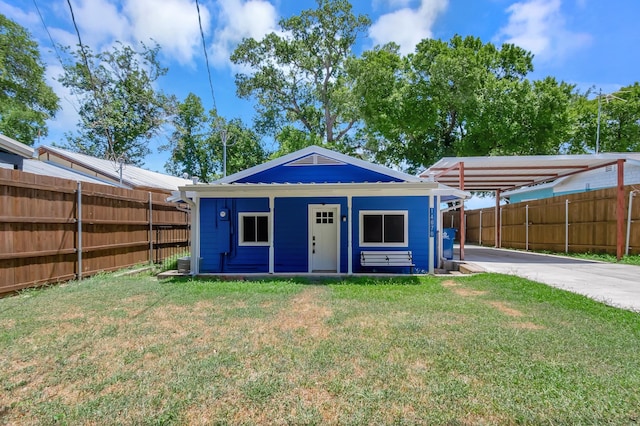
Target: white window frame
<point>363,213</point>
<point>241,217</point>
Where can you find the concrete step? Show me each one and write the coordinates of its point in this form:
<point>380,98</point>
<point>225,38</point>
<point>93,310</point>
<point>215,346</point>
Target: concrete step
<point>470,268</point>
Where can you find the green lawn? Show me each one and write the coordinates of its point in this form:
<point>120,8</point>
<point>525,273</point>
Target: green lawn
<point>486,349</point>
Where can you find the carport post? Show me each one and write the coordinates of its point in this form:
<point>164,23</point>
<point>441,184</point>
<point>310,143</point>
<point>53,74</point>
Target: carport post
<point>620,211</point>
<point>498,218</point>
<point>462,221</point>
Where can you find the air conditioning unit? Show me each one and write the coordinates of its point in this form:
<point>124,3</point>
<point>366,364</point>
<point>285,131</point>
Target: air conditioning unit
<point>184,265</point>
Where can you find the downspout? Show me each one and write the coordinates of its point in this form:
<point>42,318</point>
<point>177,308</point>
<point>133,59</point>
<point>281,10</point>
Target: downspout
<point>195,240</point>
<point>631,195</point>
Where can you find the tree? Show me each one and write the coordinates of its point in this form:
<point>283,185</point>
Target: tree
<point>461,97</point>
<point>619,121</point>
<point>196,144</point>
<point>299,78</point>
<point>120,109</point>
<point>26,101</point>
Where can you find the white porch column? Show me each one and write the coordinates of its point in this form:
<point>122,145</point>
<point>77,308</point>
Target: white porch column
<point>431,230</point>
<point>349,237</point>
<point>271,234</point>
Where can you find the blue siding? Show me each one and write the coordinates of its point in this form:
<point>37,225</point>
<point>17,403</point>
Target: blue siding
<point>346,173</point>
<point>532,195</point>
<point>215,237</point>
<point>291,233</point>
<point>292,229</point>
<point>418,223</point>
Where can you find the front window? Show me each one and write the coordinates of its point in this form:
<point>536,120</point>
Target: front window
<point>253,229</point>
<point>384,228</point>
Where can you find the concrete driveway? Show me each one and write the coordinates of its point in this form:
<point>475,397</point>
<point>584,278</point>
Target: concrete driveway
<point>613,284</point>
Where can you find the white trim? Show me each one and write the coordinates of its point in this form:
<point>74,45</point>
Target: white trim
<point>241,229</point>
<point>272,234</point>
<point>314,149</point>
<point>404,213</point>
<point>431,226</point>
<point>252,190</point>
<point>310,208</point>
<point>349,234</point>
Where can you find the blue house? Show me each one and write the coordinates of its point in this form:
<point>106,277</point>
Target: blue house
<point>316,211</point>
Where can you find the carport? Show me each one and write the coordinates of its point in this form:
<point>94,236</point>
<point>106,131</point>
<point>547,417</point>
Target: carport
<point>501,173</point>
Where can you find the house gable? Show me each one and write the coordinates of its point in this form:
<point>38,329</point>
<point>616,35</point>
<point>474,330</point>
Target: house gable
<point>317,165</point>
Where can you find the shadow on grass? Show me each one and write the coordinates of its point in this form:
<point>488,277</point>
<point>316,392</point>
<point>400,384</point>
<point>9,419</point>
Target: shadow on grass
<point>367,280</point>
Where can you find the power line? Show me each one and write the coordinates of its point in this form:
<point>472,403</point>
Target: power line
<point>206,56</point>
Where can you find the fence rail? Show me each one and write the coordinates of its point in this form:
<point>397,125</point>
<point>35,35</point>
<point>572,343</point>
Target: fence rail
<point>55,229</point>
<point>575,223</point>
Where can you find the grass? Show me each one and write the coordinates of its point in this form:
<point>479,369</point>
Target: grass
<point>601,257</point>
<point>487,349</point>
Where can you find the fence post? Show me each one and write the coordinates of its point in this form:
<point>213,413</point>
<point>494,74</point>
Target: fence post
<point>480,236</point>
<point>626,249</point>
<point>79,220</point>
<point>526,210</point>
<point>150,229</point>
<point>566,226</point>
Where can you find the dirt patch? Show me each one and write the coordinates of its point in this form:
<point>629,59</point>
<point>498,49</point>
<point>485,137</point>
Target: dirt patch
<point>502,307</point>
<point>305,313</point>
<point>527,326</point>
<point>465,292</point>
<point>449,283</point>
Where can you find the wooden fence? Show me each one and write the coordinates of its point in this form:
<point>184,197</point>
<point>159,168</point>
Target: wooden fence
<point>55,229</point>
<point>575,223</point>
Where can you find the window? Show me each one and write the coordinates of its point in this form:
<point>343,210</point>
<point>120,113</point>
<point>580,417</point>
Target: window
<point>384,228</point>
<point>253,229</point>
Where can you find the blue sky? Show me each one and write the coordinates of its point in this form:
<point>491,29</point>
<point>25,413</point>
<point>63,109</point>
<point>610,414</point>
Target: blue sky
<point>590,43</point>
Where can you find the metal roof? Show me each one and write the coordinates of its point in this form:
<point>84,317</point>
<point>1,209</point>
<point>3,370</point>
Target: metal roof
<point>48,169</point>
<point>132,176</point>
<point>12,146</point>
<point>314,149</point>
<point>511,172</point>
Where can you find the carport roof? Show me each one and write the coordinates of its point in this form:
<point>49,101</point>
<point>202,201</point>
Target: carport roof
<point>510,172</point>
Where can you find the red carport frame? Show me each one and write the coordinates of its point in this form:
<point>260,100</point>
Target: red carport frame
<point>499,174</point>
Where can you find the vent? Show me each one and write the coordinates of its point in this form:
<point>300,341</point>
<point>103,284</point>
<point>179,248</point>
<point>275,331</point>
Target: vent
<point>315,159</point>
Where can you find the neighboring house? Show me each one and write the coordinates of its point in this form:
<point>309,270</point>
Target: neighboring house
<point>111,172</point>
<point>13,153</point>
<point>600,178</point>
<point>314,210</point>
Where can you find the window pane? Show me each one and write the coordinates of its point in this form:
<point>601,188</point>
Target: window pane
<point>248,229</point>
<point>394,228</point>
<point>263,229</point>
<point>372,228</point>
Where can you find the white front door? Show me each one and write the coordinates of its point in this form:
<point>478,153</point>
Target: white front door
<point>324,238</point>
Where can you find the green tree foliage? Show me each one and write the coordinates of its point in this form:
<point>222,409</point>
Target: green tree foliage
<point>120,109</point>
<point>197,148</point>
<point>26,101</point>
<point>619,121</point>
<point>461,97</point>
<point>299,78</point>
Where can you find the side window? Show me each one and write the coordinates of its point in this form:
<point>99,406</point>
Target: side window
<point>384,228</point>
<point>253,229</point>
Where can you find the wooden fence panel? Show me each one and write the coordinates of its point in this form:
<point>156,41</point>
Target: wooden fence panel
<point>39,240</point>
<point>586,224</point>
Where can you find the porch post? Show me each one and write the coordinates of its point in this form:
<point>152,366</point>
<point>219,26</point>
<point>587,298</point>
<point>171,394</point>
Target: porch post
<point>271,234</point>
<point>620,211</point>
<point>349,236</point>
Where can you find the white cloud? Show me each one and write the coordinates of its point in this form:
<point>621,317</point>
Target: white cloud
<point>407,26</point>
<point>174,25</point>
<point>100,23</point>
<point>238,19</point>
<point>393,4</point>
<point>539,26</point>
